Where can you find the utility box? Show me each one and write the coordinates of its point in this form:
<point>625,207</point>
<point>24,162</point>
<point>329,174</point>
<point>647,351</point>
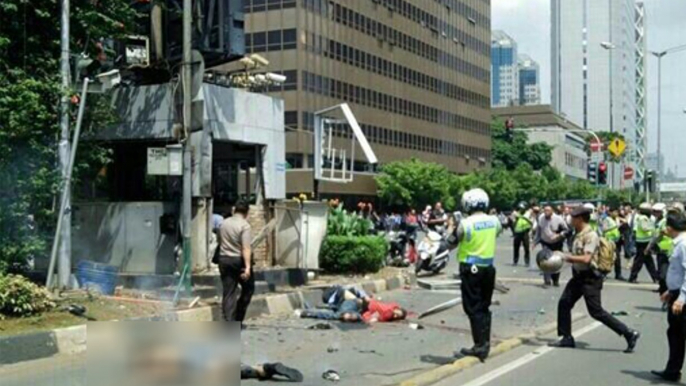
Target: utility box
<point>165,161</point>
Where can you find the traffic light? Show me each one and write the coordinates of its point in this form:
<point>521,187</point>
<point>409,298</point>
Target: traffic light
<point>592,172</point>
<point>650,181</point>
<point>602,173</point>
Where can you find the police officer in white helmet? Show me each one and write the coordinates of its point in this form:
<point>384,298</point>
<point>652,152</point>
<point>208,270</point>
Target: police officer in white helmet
<point>477,236</point>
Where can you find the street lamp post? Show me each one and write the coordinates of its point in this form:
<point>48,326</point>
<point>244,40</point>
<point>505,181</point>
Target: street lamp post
<point>659,55</point>
<point>609,47</point>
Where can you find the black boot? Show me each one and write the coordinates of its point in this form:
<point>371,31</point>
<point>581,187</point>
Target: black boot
<point>481,333</point>
<point>470,352</point>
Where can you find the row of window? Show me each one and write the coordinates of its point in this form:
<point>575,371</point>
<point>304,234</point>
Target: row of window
<point>365,96</point>
<point>371,27</point>
<point>437,25</point>
<point>267,5</point>
<point>358,58</point>
<point>404,140</point>
<point>295,161</point>
<point>276,40</point>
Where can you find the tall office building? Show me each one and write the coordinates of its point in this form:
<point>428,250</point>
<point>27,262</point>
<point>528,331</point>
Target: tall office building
<point>416,74</point>
<point>504,70</point>
<point>529,81</point>
<point>593,86</point>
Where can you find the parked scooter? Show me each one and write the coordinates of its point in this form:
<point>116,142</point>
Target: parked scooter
<point>433,253</point>
<point>397,256</point>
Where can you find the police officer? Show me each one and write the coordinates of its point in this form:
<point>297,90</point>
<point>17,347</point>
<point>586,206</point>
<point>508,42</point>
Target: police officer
<point>477,239</point>
<point>586,282</point>
<point>609,226</point>
<point>523,223</point>
<point>644,230</point>
<point>661,244</point>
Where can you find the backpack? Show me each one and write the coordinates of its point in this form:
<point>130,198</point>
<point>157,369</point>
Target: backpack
<point>604,259</point>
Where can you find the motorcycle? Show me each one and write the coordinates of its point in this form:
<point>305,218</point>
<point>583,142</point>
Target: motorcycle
<point>433,253</point>
<point>398,245</point>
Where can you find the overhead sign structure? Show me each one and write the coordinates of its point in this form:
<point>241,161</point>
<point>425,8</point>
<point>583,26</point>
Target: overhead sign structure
<point>617,147</point>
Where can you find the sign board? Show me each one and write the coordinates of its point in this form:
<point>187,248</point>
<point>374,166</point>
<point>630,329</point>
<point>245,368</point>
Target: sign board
<point>165,161</point>
<point>596,146</point>
<point>628,173</point>
<point>617,147</point>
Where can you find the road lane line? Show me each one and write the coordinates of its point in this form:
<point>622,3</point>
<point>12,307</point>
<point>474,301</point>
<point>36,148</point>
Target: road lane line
<point>499,372</point>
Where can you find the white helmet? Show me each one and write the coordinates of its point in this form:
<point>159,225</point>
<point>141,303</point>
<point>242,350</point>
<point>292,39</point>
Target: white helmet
<point>659,207</point>
<point>475,199</point>
<point>589,206</point>
<point>645,207</point>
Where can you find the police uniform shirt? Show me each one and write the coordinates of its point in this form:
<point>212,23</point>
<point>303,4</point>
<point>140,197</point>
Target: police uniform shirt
<point>586,242</point>
<point>676,274</point>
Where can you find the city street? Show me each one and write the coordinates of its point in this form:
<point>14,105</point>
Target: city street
<point>385,354</point>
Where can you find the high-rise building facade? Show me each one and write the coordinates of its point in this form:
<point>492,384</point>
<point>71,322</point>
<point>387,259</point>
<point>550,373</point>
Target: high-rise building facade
<point>529,81</point>
<point>504,70</point>
<point>593,72</point>
<point>415,73</point>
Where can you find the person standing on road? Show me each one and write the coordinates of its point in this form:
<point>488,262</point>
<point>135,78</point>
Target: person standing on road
<point>586,282</point>
<point>438,219</point>
<point>661,244</point>
<point>644,228</point>
<point>235,264</point>
<point>550,233</point>
<point>609,226</point>
<point>675,297</point>
<point>476,235</point>
<point>523,223</point>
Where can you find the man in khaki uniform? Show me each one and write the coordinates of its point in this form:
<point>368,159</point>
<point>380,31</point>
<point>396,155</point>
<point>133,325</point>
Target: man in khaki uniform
<point>586,282</point>
<point>235,264</point>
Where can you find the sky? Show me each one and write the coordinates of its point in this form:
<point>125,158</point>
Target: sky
<point>528,22</point>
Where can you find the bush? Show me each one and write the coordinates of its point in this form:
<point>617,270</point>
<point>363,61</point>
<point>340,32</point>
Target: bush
<point>20,297</point>
<point>347,254</point>
<point>342,223</point>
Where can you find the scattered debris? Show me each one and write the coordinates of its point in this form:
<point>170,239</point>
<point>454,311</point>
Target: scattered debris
<point>541,311</point>
<point>620,313</point>
<point>331,350</point>
<point>416,326</point>
<point>194,302</point>
<point>331,375</point>
<point>441,307</point>
<point>320,326</point>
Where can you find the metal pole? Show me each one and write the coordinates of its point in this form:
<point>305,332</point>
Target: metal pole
<point>659,126</point>
<point>64,202</point>
<point>612,126</point>
<point>186,202</point>
<point>64,150</point>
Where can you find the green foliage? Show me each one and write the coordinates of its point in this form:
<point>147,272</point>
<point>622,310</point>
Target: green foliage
<point>20,297</point>
<point>606,138</point>
<point>416,184</point>
<point>511,149</point>
<point>345,254</point>
<point>342,223</point>
<point>30,93</point>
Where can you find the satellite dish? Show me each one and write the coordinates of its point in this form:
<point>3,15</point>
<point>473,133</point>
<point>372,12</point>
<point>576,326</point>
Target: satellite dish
<point>197,72</point>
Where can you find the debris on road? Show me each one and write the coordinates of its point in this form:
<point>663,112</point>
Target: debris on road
<point>416,326</point>
<point>331,375</point>
<point>620,313</point>
<point>194,302</point>
<point>331,350</point>
<point>320,326</point>
<point>441,307</point>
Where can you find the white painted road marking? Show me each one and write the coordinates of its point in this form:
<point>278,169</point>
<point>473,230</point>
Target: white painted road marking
<point>499,372</point>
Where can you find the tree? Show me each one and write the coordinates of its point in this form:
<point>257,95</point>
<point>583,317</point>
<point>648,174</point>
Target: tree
<point>29,102</point>
<point>510,149</point>
<point>415,184</point>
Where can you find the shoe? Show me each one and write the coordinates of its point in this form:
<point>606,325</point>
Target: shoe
<point>298,313</point>
<point>556,284</point>
<point>631,340</point>
<point>633,281</point>
<point>620,278</point>
<point>481,353</point>
<point>292,375</point>
<point>566,342</point>
<point>667,376</point>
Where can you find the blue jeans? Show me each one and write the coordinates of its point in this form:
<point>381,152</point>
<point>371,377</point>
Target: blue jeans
<point>347,307</point>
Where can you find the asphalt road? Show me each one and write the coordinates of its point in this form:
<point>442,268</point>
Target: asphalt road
<point>385,354</point>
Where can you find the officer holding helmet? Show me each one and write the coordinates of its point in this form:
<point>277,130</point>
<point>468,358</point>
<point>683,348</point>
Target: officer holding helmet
<point>477,236</point>
<point>661,243</point>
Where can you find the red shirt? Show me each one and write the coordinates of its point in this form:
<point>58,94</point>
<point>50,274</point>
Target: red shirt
<point>380,312</point>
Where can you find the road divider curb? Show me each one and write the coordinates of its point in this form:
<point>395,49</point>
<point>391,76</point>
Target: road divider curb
<point>440,373</point>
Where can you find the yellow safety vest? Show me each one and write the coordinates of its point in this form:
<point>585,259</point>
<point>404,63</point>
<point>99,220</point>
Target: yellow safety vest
<point>643,235</point>
<point>522,224</point>
<point>666,243</point>
<point>610,230</point>
<point>477,246</point>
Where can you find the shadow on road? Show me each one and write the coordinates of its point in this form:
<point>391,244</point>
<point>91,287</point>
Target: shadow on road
<point>644,376</point>
<point>436,360</point>
<point>649,309</point>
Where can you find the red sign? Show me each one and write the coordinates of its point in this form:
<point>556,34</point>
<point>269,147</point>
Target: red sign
<point>596,146</point>
<point>628,173</point>
<point>602,167</point>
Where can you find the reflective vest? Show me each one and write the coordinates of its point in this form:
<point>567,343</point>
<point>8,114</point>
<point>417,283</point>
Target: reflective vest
<point>643,228</point>
<point>522,224</point>
<point>477,246</point>
<point>666,243</point>
<point>610,230</point>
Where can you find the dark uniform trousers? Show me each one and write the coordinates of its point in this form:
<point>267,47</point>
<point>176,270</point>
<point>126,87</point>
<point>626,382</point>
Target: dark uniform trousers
<point>477,293</point>
<point>588,285</point>
<point>618,261</point>
<point>643,258</point>
<point>676,335</point>
<point>522,239</point>
<point>234,306</point>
